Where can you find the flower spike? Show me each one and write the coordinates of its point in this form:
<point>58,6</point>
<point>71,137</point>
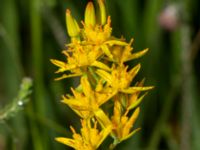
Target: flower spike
<point>98,60</point>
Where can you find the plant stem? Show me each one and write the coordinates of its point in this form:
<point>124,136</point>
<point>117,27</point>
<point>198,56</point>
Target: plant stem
<point>186,89</point>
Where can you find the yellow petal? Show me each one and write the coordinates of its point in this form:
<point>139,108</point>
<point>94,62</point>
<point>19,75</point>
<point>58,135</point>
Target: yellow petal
<point>131,134</point>
<point>137,102</point>
<point>117,112</point>
<point>66,141</point>
<point>90,18</point>
<point>102,118</point>
<point>100,65</point>
<point>99,85</point>
<point>85,130</point>
<point>116,42</point>
<point>77,94</point>
<point>106,50</point>
<point>137,55</point>
<point>77,104</point>
<point>133,72</point>
<point>130,123</point>
<point>131,90</point>
<point>104,97</point>
<point>94,135</point>
<point>87,90</point>
<point>58,63</point>
<point>105,75</point>
<point>63,66</point>
<point>64,76</point>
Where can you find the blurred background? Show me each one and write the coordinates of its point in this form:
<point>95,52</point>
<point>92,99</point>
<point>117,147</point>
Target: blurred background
<point>33,31</point>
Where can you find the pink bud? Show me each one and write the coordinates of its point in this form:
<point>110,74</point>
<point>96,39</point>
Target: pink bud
<point>168,18</point>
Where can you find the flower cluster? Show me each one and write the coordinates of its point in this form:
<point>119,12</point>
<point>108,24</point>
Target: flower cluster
<point>105,100</point>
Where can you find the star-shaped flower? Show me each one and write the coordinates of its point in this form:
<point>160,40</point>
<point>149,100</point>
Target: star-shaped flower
<point>122,123</point>
<point>120,78</point>
<point>90,137</point>
<point>86,102</point>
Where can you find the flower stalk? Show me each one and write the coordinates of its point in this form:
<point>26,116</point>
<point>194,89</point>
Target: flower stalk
<point>99,58</point>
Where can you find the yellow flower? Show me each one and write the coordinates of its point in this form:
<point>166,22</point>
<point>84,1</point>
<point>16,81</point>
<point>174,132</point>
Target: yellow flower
<point>96,42</point>
<point>123,54</point>
<point>89,139</point>
<point>79,57</point>
<point>122,124</point>
<point>86,102</point>
<point>99,34</point>
<point>92,29</point>
<point>120,79</point>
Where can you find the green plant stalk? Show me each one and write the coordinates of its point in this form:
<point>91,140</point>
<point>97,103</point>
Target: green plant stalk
<point>187,96</point>
<point>36,43</point>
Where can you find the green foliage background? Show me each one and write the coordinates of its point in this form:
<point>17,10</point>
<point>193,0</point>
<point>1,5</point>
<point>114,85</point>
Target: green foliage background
<point>33,31</point>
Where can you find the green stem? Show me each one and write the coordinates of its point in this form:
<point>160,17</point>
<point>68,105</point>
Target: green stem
<point>37,51</point>
<point>187,96</point>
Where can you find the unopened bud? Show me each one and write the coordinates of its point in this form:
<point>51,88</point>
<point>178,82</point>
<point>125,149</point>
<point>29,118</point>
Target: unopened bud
<point>169,18</point>
<point>102,12</point>
<point>90,18</point>
<point>72,25</point>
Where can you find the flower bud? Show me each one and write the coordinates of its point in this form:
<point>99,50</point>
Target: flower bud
<point>72,25</point>
<point>169,18</point>
<point>90,18</point>
<point>102,12</point>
